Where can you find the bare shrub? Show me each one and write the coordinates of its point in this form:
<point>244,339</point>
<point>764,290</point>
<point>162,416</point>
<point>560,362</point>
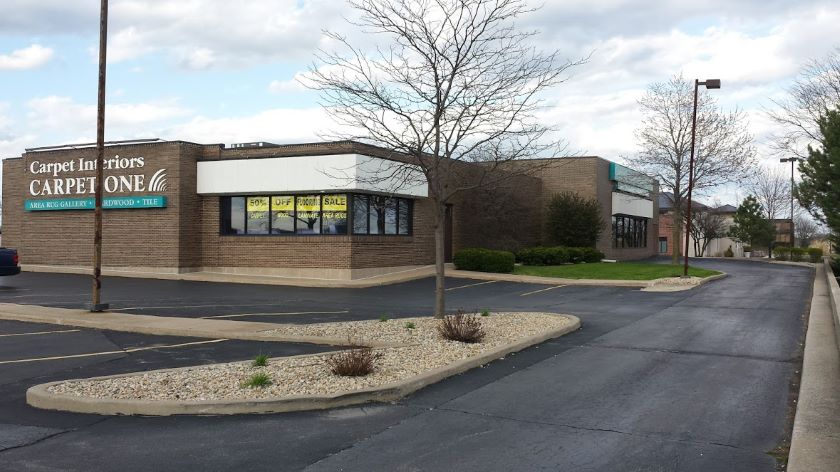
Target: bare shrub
<point>461,327</point>
<point>356,362</point>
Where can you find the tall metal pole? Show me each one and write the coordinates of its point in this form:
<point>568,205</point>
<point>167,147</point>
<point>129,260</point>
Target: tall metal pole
<point>96,304</point>
<point>690,178</point>
<point>792,234</point>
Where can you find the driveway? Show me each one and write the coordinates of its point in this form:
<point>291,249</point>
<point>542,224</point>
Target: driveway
<point>687,381</point>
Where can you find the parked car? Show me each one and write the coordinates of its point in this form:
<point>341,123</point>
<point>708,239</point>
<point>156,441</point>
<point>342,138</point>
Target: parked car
<point>9,261</point>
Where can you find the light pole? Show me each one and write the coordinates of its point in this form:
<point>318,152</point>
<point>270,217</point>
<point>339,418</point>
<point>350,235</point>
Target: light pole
<point>96,304</point>
<point>792,160</point>
<point>710,84</point>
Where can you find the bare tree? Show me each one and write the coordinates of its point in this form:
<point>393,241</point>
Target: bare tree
<point>772,190</point>
<point>805,229</point>
<point>706,225</point>
<point>724,151</point>
<point>452,82</point>
<point>815,90</point>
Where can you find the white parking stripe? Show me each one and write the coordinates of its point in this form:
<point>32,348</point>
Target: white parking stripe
<point>540,290</point>
<point>471,285</point>
<point>279,314</point>
<point>106,353</point>
<point>188,306</point>
<point>40,332</point>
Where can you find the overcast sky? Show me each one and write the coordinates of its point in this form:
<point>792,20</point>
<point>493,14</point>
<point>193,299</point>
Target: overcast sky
<point>218,71</point>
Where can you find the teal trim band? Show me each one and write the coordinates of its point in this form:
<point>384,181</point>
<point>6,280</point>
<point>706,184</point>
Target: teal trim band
<point>108,203</point>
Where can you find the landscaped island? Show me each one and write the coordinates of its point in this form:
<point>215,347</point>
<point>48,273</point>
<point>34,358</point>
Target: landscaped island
<point>613,271</point>
<point>420,356</point>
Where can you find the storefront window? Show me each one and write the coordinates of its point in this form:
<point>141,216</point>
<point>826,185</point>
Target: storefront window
<point>334,214</point>
<point>308,214</point>
<point>257,215</point>
<point>360,214</point>
<point>236,215</point>
<point>283,215</point>
<point>315,214</point>
<point>629,232</point>
<point>404,210</point>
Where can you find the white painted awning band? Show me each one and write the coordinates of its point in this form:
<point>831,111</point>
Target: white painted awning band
<point>337,172</point>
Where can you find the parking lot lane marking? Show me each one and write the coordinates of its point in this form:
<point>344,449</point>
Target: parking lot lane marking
<point>40,332</point>
<point>540,290</point>
<point>188,306</point>
<point>279,314</point>
<point>108,353</point>
<point>471,285</point>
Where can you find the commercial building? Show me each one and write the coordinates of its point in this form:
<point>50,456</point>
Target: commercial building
<point>303,210</point>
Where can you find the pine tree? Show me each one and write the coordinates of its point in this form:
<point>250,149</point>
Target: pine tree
<point>819,190</point>
<point>750,225</point>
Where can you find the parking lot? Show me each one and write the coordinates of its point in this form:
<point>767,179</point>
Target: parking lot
<point>694,380</point>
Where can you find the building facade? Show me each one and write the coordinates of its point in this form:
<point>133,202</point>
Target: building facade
<point>304,210</point>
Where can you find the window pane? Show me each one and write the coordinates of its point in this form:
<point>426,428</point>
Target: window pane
<point>237,216</point>
<point>308,214</point>
<point>283,215</point>
<point>360,214</point>
<point>377,214</point>
<point>257,215</point>
<point>335,214</point>
<point>404,216</point>
<point>391,216</point>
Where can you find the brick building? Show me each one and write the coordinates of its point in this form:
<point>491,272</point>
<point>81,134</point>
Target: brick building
<point>284,210</point>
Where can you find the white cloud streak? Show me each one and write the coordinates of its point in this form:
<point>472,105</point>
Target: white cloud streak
<point>27,58</point>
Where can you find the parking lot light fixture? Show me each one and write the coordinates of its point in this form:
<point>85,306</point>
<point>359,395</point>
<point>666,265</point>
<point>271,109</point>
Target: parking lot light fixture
<point>710,84</point>
<point>792,161</point>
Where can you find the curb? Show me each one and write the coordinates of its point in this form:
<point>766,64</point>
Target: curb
<point>164,325</point>
<point>815,442</point>
<point>38,396</point>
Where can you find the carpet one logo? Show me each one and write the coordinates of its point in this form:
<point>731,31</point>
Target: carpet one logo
<point>126,175</point>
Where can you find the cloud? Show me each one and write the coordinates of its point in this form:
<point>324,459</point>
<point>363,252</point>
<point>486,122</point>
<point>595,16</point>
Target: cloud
<point>66,115</point>
<point>278,125</point>
<point>26,58</point>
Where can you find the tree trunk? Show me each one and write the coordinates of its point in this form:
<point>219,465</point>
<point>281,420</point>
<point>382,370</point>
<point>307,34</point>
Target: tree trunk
<point>676,237</point>
<point>440,232</point>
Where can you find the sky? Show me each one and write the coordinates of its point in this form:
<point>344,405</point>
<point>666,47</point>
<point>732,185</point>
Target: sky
<point>216,71</point>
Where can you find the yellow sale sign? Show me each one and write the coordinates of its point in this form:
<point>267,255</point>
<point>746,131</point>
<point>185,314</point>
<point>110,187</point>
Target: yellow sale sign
<point>257,204</point>
<point>335,202</point>
<point>309,203</point>
<point>282,203</point>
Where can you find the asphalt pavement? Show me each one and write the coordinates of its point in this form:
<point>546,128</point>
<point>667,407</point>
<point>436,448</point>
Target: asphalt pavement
<point>683,381</point>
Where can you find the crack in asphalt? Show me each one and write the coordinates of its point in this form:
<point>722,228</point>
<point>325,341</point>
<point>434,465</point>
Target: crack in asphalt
<point>692,353</point>
<point>53,435</point>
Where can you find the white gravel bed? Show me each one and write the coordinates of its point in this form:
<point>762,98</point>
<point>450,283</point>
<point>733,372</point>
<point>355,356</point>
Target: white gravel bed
<point>424,350</point>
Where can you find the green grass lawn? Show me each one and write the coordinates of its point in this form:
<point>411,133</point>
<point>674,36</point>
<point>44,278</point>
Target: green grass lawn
<point>612,271</point>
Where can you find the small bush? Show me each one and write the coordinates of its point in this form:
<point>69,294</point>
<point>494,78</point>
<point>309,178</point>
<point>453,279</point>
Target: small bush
<point>815,254</point>
<point>592,254</point>
<point>558,255</point>
<point>356,362</point>
<point>782,253</point>
<point>575,255</point>
<point>572,220</point>
<point>747,248</point>
<point>728,252</point>
<point>260,361</point>
<point>485,312</point>
<point>796,253</point>
<point>461,327</point>
<point>410,325</point>
<point>383,318</point>
<point>484,260</point>
<point>260,379</point>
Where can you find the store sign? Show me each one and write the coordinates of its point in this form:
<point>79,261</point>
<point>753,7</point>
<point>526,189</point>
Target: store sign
<point>126,175</point>
<point>108,203</point>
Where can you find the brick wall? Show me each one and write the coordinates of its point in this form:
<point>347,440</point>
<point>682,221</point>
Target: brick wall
<point>131,237</point>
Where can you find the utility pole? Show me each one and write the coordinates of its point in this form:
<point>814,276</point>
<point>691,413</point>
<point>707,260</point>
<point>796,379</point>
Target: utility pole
<point>96,304</point>
<point>792,160</point>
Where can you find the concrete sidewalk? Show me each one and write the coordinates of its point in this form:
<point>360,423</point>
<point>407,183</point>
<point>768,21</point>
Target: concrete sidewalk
<point>815,445</point>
